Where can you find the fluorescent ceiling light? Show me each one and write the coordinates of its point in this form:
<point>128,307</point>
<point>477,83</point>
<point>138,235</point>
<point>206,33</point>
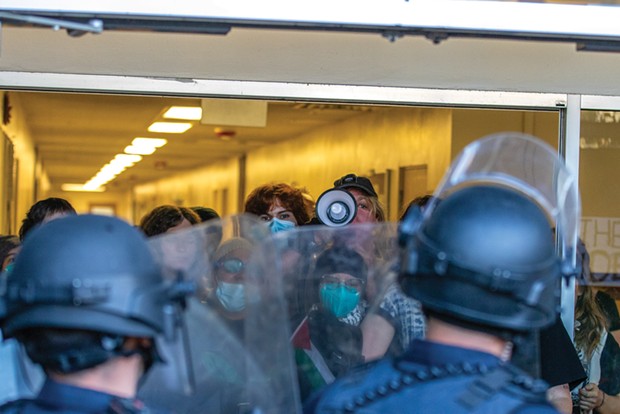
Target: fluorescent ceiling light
<point>95,183</point>
<point>190,113</point>
<point>109,171</point>
<point>170,127</point>
<point>127,159</point>
<point>117,165</point>
<point>150,142</point>
<point>112,169</point>
<point>138,150</point>
<point>81,187</point>
<point>100,179</point>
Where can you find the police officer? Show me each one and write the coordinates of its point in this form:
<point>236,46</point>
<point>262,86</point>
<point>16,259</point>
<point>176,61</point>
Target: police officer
<point>482,261</point>
<point>87,300</point>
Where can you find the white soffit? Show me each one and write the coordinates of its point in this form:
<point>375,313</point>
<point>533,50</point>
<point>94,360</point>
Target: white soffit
<point>477,17</point>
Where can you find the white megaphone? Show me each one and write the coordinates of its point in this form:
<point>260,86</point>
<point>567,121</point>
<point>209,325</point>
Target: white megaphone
<point>336,208</point>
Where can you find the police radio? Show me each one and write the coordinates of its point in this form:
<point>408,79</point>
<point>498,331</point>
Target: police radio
<point>336,208</point>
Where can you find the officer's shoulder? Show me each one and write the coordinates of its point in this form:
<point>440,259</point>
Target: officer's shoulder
<point>532,392</point>
<point>366,372</point>
<point>369,381</point>
<point>341,391</point>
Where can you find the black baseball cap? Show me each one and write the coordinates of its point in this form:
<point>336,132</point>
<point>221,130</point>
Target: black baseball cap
<point>352,180</point>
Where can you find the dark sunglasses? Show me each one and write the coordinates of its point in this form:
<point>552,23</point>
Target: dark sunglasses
<point>231,265</point>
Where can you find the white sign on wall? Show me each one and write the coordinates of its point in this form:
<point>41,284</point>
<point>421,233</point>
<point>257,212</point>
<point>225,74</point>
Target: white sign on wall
<point>602,238</point>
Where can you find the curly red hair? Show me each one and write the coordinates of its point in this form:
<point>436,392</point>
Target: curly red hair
<point>262,198</point>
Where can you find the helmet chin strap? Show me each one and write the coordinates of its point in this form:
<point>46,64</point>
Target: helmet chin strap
<point>144,347</point>
<point>90,354</point>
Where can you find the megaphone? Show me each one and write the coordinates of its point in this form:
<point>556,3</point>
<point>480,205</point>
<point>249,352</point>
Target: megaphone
<point>336,208</point>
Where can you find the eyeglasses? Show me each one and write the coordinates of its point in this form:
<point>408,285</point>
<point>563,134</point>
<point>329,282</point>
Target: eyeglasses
<point>352,283</point>
<point>231,265</point>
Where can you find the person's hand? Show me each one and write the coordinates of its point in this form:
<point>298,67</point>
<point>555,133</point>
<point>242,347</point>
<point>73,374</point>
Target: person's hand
<point>591,397</point>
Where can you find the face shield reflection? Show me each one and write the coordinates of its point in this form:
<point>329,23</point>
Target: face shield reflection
<point>335,279</point>
<point>230,350</point>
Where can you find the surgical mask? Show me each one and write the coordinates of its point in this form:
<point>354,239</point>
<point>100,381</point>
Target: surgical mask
<point>339,299</point>
<point>276,225</point>
<point>231,296</point>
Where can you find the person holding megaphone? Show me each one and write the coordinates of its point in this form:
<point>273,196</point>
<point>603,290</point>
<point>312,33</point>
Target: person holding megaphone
<point>398,319</point>
<point>352,200</point>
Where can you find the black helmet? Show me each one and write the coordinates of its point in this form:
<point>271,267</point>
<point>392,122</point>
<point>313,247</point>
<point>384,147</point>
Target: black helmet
<point>486,255</point>
<point>85,272</point>
<point>484,251</point>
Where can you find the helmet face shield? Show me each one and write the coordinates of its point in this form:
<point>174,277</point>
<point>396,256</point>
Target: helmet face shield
<point>229,351</point>
<point>528,166</point>
<point>254,290</point>
<point>484,249</point>
<point>333,279</point>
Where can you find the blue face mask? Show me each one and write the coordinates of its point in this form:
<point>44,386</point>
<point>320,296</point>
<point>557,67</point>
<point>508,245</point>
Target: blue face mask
<point>276,225</point>
<point>339,299</point>
<point>231,296</point>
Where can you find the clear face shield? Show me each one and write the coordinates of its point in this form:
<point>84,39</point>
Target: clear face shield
<point>227,351</point>
<point>530,167</point>
<point>527,165</point>
<point>333,279</point>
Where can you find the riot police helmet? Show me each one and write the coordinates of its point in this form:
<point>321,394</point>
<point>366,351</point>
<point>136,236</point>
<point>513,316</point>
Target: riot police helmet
<point>484,253</point>
<point>85,273</point>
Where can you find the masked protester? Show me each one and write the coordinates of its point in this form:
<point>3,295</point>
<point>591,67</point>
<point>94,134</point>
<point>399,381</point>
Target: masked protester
<point>239,357</point>
<point>483,263</point>
<point>331,342</point>
<point>390,327</point>
<point>283,207</point>
<point>87,301</point>
<point>230,294</point>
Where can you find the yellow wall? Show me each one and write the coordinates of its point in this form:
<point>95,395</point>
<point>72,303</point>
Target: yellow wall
<point>214,186</point>
<point>600,196</point>
<point>471,124</point>
<point>32,181</point>
<point>82,202</point>
<point>386,138</point>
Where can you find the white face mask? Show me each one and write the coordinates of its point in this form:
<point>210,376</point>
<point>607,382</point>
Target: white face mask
<point>231,296</point>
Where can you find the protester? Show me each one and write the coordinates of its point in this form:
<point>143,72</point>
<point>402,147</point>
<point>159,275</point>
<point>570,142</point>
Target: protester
<point>43,212</point>
<point>165,218</point>
<point>280,205</point>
